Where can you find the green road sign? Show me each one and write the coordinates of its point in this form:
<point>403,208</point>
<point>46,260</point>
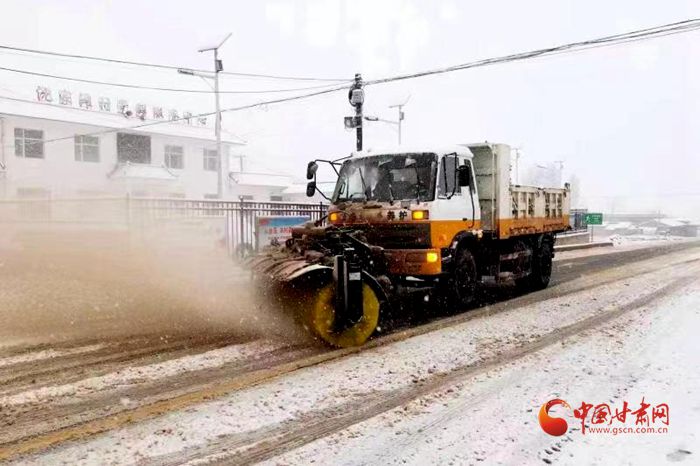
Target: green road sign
<point>594,218</point>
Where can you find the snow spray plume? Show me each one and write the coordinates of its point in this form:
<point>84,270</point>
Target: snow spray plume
<point>68,280</point>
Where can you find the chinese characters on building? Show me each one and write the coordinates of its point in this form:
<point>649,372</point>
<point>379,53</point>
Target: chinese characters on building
<point>104,104</point>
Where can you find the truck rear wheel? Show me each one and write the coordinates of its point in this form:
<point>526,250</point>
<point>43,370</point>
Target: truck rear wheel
<point>541,268</point>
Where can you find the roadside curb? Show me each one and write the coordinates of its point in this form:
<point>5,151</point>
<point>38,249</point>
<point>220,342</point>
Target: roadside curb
<point>572,247</point>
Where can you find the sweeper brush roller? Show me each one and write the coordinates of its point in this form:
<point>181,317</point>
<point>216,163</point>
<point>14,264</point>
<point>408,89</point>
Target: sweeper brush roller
<point>324,286</point>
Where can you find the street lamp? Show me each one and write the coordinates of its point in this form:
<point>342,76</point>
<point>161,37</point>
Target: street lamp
<point>218,67</point>
<point>391,122</point>
<point>399,107</point>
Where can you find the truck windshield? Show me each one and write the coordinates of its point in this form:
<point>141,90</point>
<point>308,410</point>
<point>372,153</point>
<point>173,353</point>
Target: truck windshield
<point>387,178</point>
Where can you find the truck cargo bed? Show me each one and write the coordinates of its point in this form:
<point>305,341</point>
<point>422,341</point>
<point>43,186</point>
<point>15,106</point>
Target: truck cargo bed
<point>511,210</point>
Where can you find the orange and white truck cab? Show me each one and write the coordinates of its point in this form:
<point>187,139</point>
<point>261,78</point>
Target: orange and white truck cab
<point>419,204</point>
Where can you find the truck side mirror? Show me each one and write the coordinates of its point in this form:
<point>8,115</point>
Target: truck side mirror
<point>311,170</point>
<point>311,189</point>
<point>464,175</point>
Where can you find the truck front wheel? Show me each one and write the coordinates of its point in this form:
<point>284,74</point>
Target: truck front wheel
<point>463,283</point>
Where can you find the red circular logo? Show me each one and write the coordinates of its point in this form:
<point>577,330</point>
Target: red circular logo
<point>553,425</point>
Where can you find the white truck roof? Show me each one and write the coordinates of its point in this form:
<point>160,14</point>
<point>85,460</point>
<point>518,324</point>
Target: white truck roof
<point>413,149</point>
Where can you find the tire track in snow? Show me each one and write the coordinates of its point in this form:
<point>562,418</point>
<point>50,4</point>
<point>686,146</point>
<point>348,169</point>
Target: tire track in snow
<point>69,367</point>
<point>135,374</point>
<point>25,421</point>
<point>42,355</point>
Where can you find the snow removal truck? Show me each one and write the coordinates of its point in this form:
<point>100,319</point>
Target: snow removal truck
<point>449,221</point>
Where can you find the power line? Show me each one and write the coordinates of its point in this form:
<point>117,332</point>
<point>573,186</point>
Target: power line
<point>165,89</point>
<point>633,36</point>
<point>286,78</point>
<point>642,34</point>
<point>167,67</point>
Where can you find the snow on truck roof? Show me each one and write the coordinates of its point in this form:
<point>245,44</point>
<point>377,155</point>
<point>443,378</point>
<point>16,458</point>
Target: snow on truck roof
<point>446,149</point>
<point>461,149</point>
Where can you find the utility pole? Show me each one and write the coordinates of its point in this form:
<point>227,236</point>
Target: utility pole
<point>356,96</point>
<point>218,67</point>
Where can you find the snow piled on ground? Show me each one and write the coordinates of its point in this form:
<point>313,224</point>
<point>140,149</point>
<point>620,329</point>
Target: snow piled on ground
<point>621,244</point>
<point>489,417</point>
<point>492,418</point>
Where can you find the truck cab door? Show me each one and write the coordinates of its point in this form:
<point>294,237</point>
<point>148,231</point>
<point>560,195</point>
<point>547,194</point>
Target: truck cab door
<point>467,186</point>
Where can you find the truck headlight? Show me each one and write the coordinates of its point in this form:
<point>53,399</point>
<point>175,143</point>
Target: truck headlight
<point>432,257</point>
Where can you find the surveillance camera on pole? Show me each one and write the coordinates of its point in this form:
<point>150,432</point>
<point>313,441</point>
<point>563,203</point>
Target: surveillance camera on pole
<point>356,97</point>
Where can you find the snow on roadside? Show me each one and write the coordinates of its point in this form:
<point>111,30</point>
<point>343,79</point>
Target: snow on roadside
<point>138,374</point>
<point>48,354</point>
<point>492,418</point>
<point>621,246</point>
<point>329,386</point>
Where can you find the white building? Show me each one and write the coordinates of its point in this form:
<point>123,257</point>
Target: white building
<point>50,150</point>
<point>252,181</point>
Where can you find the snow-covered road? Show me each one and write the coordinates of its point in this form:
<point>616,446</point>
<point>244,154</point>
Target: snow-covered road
<point>468,393</point>
<point>652,353</point>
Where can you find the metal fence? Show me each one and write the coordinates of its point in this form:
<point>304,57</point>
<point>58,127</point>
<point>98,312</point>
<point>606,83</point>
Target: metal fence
<point>238,217</point>
<point>233,222</point>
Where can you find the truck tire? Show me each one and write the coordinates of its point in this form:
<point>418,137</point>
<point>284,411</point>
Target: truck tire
<point>463,283</point>
<point>541,267</point>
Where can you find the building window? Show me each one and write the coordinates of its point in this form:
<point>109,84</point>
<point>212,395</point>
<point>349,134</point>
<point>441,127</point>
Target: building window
<point>211,160</point>
<point>276,198</point>
<point>211,196</point>
<point>29,143</point>
<point>174,157</point>
<point>87,149</point>
<point>133,148</point>
<point>246,197</point>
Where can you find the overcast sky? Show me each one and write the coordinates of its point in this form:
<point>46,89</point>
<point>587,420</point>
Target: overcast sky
<point>624,119</point>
